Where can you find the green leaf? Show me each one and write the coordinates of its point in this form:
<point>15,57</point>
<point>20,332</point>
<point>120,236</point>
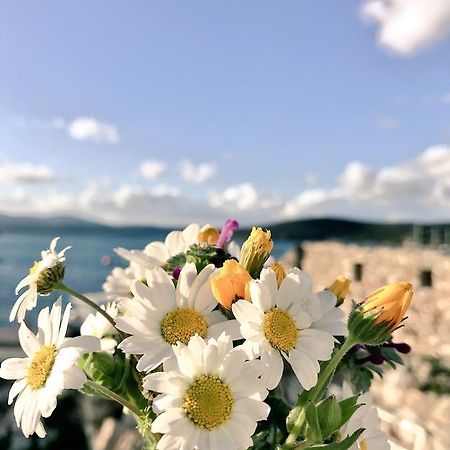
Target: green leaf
<point>313,432</point>
<point>330,416</point>
<point>348,408</point>
<point>295,412</point>
<point>342,445</point>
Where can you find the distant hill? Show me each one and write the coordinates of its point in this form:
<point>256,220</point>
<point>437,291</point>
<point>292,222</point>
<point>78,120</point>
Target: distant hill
<point>55,225</point>
<point>299,230</point>
<point>354,231</point>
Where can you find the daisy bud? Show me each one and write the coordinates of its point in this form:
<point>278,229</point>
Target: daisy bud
<point>231,283</point>
<point>208,235</point>
<point>340,288</point>
<point>47,278</point>
<point>373,321</point>
<point>256,250</point>
<point>42,279</point>
<point>330,415</point>
<point>280,271</point>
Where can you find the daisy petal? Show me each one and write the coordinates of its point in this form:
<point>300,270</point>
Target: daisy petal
<point>273,365</point>
<point>244,311</point>
<point>28,340</point>
<point>304,367</point>
<point>230,327</point>
<point>74,378</point>
<point>14,368</point>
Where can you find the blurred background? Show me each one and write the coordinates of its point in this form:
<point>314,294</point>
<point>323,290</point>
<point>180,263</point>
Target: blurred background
<point>328,122</point>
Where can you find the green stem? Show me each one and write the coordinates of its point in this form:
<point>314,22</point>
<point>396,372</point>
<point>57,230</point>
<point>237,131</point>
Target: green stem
<point>330,368</point>
<point>113,396</point>
<point>60,286</point>
<point>313,395</point>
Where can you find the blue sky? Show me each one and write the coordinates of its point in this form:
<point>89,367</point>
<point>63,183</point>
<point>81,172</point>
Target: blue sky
<point>259,109</point>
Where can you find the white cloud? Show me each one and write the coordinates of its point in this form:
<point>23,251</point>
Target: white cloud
<point>414,190</point>
<point>418,189</point>
<point>407,26</point>
<point>196,174</point>
<point>24,173</point>
<point>152,169</point>
<point>435,161</point>
<point>91,129</point>
<point>401,183</point>
<point>357,178</point>
<point>165,190</point>
<point>247,203</point>
<point>80,128</point>
<point>311,202</point>
<point>387,123</point>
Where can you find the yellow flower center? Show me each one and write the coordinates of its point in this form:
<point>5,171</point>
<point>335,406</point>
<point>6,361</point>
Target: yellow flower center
<point>280,329</point>
<point>34,269</point>
<point>183,323</point>
<point>41,366</point>
<point>208,402</point>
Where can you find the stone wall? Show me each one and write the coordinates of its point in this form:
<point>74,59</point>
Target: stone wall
<point>427,329</point>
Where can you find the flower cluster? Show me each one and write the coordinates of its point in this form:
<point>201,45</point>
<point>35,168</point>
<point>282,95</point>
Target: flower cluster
<point>202,333</point>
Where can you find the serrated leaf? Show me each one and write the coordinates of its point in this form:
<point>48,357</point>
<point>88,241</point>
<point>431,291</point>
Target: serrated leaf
<point>347,406</point>
<point>342,445</point>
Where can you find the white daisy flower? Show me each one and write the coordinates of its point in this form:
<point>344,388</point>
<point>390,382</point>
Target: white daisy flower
<point>211,397</point>
<point>366,416</point>
<point>161,315</point>
<point>279,323</point>
<point>331,317</point>
<point>156,254</point>
<point>49,367</point>
<point>118,282</point>
<point>96,325</point>
<point>40,281</point>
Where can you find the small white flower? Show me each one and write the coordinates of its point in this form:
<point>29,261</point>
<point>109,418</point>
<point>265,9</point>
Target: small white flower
<point>279,323</point>
<point>43,275</point>
<point>96,325</point>
<point>49,368</point>
<point>211,397</point>
<point>366,416</point>
<point>118,282</point>
<point>156,254</point>
<point>160,315</point>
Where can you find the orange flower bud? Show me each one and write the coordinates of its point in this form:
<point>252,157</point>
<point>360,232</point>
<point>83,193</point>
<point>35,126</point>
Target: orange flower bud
<point>340,288</point>
<point>208,235</point>
<point>230,283</point>
<point>389,303</point>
